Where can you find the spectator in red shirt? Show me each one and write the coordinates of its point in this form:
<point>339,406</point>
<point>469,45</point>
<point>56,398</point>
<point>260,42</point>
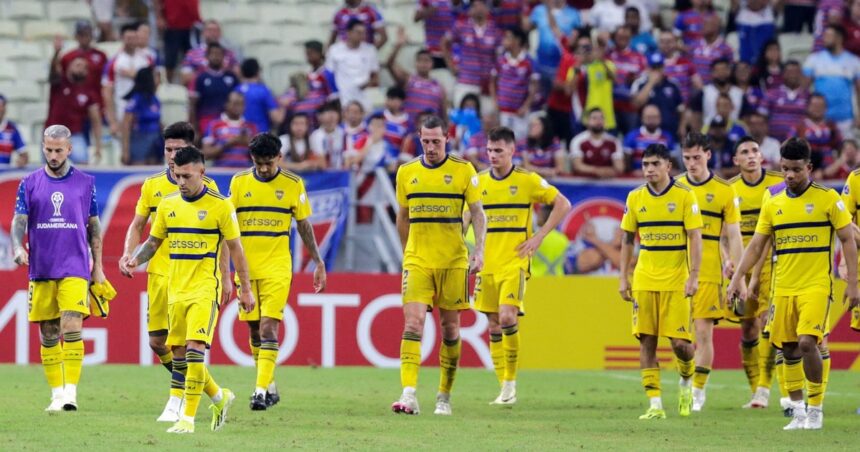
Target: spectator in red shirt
<point>72,102</point>
<point>849,159</point>
<point>96,59</point>
<point>439,17</point>
<point>175,20</point>
<point>560,104</point>
<point>364,13</point>
<point>851,23</point>
<point>514,83</point>
<point>594,152</point>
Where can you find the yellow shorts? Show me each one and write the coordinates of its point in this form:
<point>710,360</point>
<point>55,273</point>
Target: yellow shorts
<point>798,315</point>
<point>191,320</point>
<point>270,296</point>
<point>445,288</point>
<point>48,298</point>
<point>754,309</point>
<point>156,308</point>
<point>663,314</point>
<point>503,288</point>
<point>708,302</point>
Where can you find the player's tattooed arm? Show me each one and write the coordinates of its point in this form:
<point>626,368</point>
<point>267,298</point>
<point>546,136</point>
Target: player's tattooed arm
<point>306,231</point>
<point>94,236</point>
<point>19,229</point>
<point>145,251</point>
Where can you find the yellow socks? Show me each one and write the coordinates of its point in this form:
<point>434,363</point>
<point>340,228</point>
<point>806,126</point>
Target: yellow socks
<point>52,362</point>
<point>749,357</point>
<point>793,375</point>
<point>700,377</point>
<point>779,363</point>
<point>210,387</point>
<point>255,349</point>
<point>410,359</point>
<point>685,368</point>
<point>825,367</point>
<point>266,363</point>
<point>497,353</point>
<point>766,355</point>
<point>73,357</point>
<point>449,358</point>
<point>177,379</point>
<point>167,361</point>
<point>511,347</point>
<point>194,381</point>
<point>651,381</point>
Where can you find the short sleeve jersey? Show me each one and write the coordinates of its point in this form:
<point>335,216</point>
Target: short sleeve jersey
<point>435,196</point>
<point>802,227</point>
<point>192,230</point>
<point>154,189</point>
<point>265,209</point>
<point>662,221</point>
<point>750,199</point>
<point>719,206</point>
<point>851,194</point>
<point>508,202</point>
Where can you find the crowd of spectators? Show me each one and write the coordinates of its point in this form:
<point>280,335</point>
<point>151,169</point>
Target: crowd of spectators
<point>603,80</point>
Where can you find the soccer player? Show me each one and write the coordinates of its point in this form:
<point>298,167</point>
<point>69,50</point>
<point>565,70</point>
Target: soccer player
<point>431,191</point>
<point>756,351</point>
<point>508,195</point>
<point>56,208</point>
<point>666,216</point>
<point>267,199</point>
<point>193,222</point>
<point>720,219</point>
<point>851,198</point>
<point>800,217</point>
<point>154,189</point>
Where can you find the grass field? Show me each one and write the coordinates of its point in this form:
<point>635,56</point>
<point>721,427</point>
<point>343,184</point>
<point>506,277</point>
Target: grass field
<point>348,408</point>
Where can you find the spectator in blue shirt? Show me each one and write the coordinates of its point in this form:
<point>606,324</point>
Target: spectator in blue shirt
<point>642,41</point>
<point>141,124</point>
<point>756,26</point>
<point>548,53</point>
<point>835,74</point>
<point>12,151</point>
<point>261,108</point>
<point>211,89</point>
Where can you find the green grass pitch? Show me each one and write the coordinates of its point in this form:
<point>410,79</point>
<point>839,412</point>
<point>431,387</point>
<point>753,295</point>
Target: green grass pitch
<point>348,408</point>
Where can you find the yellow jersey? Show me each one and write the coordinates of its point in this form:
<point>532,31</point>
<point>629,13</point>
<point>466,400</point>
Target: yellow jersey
<point>435,196</point>
<point>508,202</point>
<point>719,205</point>
<point>192,230</point>
<point>851,194</point>
<point>662,221</point>
<point>802,227</point>
<point>750,199</point>
<point>265,209</point>
<point>154,189</point>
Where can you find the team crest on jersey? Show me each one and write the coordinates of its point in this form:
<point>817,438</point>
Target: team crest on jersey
<point>448,178</point>
<point>201,214</point>
<point>671,207</point>
<point>846,190</point>
<point>279,194</point>
<point>709,197</point>
<point>809,208</point>
<point>513,189</point>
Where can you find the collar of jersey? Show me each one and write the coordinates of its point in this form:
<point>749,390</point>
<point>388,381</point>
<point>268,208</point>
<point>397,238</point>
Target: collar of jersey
<point>707,179</point>
<point>666,190</point>
<point>257,176</point>
<point>759,181</point>
<point>195,198</point>
<point>513,167</point>
<point>436,165</point>
<point>63,177</point>
<point>169,177</point>
<point>796,195</point>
